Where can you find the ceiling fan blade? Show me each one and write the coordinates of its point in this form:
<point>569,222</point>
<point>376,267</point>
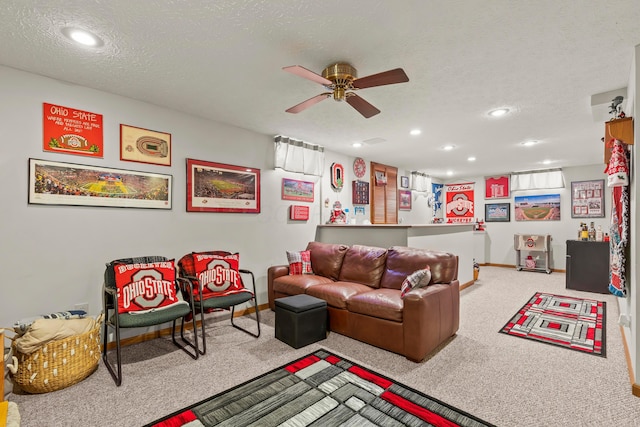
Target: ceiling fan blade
<point>308,103</point>
<point>385,78</point>
<point>307,74</point>
<point>363,107</point>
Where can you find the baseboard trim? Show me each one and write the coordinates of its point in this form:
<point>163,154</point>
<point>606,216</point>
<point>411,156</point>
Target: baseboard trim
<point>167,331</point>
<point>466,285</point>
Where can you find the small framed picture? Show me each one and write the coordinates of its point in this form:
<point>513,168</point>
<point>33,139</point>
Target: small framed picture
<point>497,212</point>
<point>404,181</point>
<point>145,146</point>
<point>404,200</point>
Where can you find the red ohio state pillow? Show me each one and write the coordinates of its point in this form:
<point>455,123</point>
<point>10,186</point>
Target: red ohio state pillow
<point>218,274</point>
<point>146,287</point>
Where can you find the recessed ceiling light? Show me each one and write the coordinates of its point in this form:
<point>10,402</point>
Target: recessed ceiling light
<point>357,144</point>
<point>546,162</point>
<point>449,173</point>
<point>415,132</point>
<point>82,37</point>
<point>448,147</point>
<point>498,112</point>
<point>530,143</point>
<point>471,159</point>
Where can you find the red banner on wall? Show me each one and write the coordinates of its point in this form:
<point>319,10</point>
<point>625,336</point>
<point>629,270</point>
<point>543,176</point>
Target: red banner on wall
<point>71,131</point>
<point>460,205</point>
<point>497,187</point>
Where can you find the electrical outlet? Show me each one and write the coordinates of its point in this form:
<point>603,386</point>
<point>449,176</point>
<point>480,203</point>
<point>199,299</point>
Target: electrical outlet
<point>82,306</point>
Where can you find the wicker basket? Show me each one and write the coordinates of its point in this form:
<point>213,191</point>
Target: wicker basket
<point>58,364</point>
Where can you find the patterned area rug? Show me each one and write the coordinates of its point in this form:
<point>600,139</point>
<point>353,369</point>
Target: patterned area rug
<point>574,323</point>
<point>320,389</point>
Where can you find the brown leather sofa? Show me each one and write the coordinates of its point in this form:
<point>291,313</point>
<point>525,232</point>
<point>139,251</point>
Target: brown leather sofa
<point>361,285</point>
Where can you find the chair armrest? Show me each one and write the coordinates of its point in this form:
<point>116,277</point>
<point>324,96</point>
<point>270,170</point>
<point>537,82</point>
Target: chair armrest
<point>253,282</point>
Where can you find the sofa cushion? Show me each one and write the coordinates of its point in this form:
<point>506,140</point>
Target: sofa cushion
<point>363,264</point>
<point>402,261</point>
<point>326,258</point>
<point>382,303</point>
<point>336,294</point>
<point>294,285</point>
<point>299,262</point>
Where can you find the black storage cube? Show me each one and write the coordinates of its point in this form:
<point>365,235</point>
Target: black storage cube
<point>301,320</point>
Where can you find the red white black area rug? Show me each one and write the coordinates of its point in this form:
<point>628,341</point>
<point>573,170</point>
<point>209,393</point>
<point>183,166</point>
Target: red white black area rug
<point>569,322</point>
<point>320,390</point>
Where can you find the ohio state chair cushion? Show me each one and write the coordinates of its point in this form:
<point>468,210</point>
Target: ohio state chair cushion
<point>218,274</point>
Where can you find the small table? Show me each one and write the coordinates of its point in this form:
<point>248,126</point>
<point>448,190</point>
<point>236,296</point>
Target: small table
<point>301,320</point>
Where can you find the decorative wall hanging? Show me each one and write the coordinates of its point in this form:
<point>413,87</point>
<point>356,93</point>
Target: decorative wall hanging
<point>57,183</point>
<point>218,187</point>
<point>436,190</point>
<point>299,213</point>
<point>497,212</point>
<point>145,146</point>
<point>496,187</point>
<point>360,193</point>
<point>404,198</point>
<point>381,178</point>
<point>337,176</point>
<point>359,167</point>
<point>70,131</point>
<point>302,191</point>
<point>587,199</point>
<point>542,207</point>
<point>460,204</point>
<point>404,181</point>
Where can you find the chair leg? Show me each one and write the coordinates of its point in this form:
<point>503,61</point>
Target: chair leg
<point>195,334</point>
<point>255,305</point>
<point>194,345</point>
<point>117,377</point>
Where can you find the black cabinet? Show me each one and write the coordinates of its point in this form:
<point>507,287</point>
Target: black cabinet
<point>588,266</point>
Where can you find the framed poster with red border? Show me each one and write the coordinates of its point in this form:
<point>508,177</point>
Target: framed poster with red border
<point>218,187</point>
<point>404,197</point>
<point>496,187</point>
<point>70,131</point>
<point>299,213</point>
<point>292,189</point>
<point>459,206</point>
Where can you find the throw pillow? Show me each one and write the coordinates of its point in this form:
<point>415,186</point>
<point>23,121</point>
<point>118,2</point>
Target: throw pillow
<point>417,279</point>
<point>146,287</point>
<point>299,262</point>
<point>217,274</point>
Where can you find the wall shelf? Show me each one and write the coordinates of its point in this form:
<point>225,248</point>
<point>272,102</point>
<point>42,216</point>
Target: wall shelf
<point>621,129</point>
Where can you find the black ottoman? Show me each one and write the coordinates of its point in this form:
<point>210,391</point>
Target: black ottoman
<point>301,320</point>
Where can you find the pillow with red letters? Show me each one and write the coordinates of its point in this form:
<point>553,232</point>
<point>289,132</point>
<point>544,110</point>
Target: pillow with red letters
<point>417,279</point>
<point>217,274</point>
<point>299,262</point>
<point>142,288</point>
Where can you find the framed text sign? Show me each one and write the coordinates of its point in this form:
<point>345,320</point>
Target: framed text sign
<point>70,131</point>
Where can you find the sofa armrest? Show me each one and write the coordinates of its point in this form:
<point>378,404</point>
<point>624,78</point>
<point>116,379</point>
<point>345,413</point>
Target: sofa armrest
<point>431,315</point>
<point>273,273</point>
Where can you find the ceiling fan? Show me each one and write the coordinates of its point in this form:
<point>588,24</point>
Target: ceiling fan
<point>342,80</point>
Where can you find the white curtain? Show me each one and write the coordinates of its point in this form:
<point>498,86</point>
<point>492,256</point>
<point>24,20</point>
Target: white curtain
<point>420,182</point>
<point>537,180</point>
<point>293,155</point>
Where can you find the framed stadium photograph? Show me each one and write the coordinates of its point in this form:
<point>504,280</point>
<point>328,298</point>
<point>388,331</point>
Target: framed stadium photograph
<point>292,189</point>
<point>145,146</point>
<point>541,207</point>
<point>218,187</point>
<point>497,212</point>
<point>58,183</point>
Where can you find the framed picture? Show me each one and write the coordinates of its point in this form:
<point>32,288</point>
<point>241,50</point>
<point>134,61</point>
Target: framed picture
<point>405,200</point>
<point>57,183</point>
<point>218,187</point>
<point>496,187</point>
<point>292,189</point>
<point>542,207</point>
<point>145,146</point>
<point>404,181</point>
<point>587,199</point>
<point>497,212</point>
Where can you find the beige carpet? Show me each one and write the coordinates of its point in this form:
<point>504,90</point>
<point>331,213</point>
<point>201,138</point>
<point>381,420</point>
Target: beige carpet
<point>502,379</point>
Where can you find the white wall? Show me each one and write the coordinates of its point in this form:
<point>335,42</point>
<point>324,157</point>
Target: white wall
<point>53,257</point>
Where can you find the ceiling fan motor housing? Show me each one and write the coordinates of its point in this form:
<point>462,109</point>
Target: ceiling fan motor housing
<point>342,75</point>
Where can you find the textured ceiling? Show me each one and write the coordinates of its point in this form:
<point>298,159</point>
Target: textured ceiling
<point>223,60</point>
